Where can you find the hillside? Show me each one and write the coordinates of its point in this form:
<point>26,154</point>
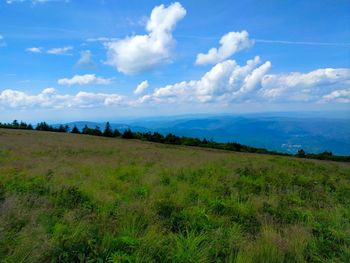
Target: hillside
<point>79,198</point>
<point>279,133</point>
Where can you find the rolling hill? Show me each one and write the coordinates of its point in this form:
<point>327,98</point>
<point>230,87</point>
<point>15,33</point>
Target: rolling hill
<point>79,198</point>
<point>279,133</point>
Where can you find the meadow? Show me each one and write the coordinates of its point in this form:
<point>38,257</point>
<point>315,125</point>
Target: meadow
<point>79,198</point>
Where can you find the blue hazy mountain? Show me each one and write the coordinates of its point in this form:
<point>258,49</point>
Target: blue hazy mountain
<point>281,132</point>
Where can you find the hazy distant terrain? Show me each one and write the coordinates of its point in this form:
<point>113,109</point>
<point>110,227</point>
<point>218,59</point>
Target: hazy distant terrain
<point>281,133</point>
<point>80,198</point>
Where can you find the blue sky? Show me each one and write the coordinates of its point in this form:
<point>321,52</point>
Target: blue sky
<point>73,60</point>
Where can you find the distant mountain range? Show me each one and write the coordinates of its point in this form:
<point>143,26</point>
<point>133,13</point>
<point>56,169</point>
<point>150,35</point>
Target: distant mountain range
<point>279,133</point>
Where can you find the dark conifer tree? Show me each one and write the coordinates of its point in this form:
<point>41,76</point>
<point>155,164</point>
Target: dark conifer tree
<point>75,130</point>
<point>62,128</point>
<point>108,130</point>
<point>85,130</point>
<point>116,133</point>
<point>301,153</point>
<point>43,126</point>
<point>127,134</point>
<point>23,125</point>
<point>15,124</point>
<point>97,131</point>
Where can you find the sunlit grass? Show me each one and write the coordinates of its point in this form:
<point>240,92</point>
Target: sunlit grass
<point>73,198</point>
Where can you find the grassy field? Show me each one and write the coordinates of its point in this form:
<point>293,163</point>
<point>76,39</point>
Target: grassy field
<point>79,198</point>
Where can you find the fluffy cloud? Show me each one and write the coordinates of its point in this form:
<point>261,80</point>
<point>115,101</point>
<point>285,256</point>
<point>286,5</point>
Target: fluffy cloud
<point>144,52</point>
<point>141,87</point>
<point>231,43</point>
<point>52,51</point>
<point>34,49</point>
<point>60,50</point>
<point>304,86</point>
<point>342,96</point>
<point>49,98</point>
<point>85,59</point>
<point>227,83</point>
<point>86,79</point>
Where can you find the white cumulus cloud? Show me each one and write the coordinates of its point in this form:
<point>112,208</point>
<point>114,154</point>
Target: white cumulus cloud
<point>305,86</point>
<point>144,52</point>
<point>226,81</point>
<point>60,50</point>
<point>49,98</point>
<point>141,87</point>
<point>34,49</point>
<point>231,43</point>
<point>342,96</point>
<point>86,79</point>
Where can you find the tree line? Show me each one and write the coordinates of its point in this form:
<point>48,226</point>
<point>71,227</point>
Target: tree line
<point>168,139</point>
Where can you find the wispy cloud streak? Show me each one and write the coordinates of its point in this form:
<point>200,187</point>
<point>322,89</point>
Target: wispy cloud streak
<point>267,41</point>
<point>270,41</point>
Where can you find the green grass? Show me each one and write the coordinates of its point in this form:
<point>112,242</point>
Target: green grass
<point>78,198</point>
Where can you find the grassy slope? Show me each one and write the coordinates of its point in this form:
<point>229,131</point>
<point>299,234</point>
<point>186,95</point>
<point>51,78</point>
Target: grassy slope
<point>69,198</point>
